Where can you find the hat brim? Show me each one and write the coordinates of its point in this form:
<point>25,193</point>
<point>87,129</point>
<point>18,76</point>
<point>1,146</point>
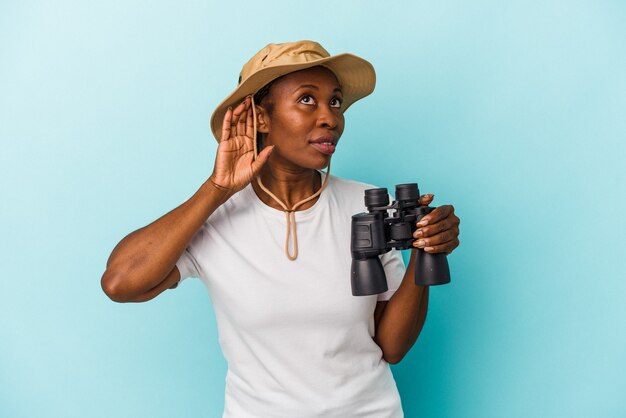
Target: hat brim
<point>356,77</point>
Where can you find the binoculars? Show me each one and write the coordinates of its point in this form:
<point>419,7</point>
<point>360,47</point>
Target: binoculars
<point>384,227</point>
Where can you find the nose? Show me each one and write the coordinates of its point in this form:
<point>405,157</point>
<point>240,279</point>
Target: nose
<point>328,117</point>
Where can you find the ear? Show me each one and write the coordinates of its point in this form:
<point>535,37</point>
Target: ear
<point>262,122</point>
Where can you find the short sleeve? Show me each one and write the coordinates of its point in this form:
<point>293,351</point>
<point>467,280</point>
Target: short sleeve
<point>187,265</point>
<point>394,270</point>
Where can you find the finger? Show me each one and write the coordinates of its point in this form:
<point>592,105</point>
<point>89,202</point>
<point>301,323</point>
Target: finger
<point>261,159</point>
<point>243,119</point>
<point>447,224</point>
<point>438,239</point>
<point>426,199</point>
<point>241,106</point>
<point>236,114</point>
<point>241,122</point>
<point>250,124</point>
<point>447,248</point>
<point>226,124</point>
<point>436,215</point>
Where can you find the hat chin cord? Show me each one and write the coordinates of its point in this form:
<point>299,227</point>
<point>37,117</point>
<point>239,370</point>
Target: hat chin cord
<point>290,214</point>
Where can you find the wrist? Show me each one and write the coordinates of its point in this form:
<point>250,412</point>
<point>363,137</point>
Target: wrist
<point>214,192</point>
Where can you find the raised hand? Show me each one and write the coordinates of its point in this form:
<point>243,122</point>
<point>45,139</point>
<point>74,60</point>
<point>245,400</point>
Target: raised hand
<point>235,165</point>
<point>438,232</point>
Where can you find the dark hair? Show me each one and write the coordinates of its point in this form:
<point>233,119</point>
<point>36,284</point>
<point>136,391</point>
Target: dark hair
<point>263,92</point>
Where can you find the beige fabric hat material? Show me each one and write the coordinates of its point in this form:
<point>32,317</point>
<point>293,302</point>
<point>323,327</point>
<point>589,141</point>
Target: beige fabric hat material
<point>356,76</point>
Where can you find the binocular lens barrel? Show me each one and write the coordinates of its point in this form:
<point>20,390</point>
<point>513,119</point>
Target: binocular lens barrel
<point>368,277</point>
<point>400,231</point>
<point>407,192</point>
<point>376,198</point>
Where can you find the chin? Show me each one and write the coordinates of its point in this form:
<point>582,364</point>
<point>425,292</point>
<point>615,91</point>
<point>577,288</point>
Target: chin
<point>314,162</point>
<point>321,164</point>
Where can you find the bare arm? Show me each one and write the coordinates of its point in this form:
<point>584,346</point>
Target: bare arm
<point>143,264</point>
<point>400,320</point>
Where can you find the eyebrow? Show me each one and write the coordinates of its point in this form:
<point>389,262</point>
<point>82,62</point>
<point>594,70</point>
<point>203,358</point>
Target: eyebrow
<point>314,87</point>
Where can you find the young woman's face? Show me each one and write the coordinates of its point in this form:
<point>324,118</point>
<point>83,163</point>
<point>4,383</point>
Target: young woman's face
<point>303,118</point>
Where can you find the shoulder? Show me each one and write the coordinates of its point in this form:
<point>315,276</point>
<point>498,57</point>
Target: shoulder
<point>349,186</point>
<point>348,193</point>
<point>238,204</point>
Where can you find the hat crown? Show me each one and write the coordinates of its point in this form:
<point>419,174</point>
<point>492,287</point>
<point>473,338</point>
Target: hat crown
<point>288,53</point>
<point>355,75</point>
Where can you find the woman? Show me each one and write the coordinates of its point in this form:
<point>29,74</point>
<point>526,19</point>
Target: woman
<point>297,343</point>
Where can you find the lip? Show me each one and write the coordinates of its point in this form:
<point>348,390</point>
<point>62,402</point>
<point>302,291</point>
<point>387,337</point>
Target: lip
<point>327,149</point>
<point>325,144</point>
<point>325,138</point>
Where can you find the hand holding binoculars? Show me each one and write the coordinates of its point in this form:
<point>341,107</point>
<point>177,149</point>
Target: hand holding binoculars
<point>377,231</point>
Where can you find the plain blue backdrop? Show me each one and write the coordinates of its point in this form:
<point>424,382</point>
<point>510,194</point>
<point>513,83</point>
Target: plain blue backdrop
<point>512,111</point>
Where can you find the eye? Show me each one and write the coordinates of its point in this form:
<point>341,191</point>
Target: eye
<point>335,102</point>
<point>307,99</point>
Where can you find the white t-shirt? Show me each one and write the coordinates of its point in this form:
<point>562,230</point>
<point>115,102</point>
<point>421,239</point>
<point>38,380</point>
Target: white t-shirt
<point>297,343</point>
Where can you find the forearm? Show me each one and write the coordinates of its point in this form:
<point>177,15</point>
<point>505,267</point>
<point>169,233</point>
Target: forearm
<point>403,317</point>
<point>144,258</point>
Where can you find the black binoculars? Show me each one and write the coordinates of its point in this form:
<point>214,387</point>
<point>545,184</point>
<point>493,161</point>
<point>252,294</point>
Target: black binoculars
<point>384,227</point>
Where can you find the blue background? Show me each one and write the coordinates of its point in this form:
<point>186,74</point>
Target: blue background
<point>512,111</point>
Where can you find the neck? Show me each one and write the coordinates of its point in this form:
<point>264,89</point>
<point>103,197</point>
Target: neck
<point>291,185</point>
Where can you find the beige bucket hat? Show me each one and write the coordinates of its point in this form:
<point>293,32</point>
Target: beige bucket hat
<point>356,76</point>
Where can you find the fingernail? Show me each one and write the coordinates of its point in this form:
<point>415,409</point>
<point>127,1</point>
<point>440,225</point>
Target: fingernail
<point>418,233</point>
<point>429,249</point>
<point>423,222</point>
<point>421,243</point>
